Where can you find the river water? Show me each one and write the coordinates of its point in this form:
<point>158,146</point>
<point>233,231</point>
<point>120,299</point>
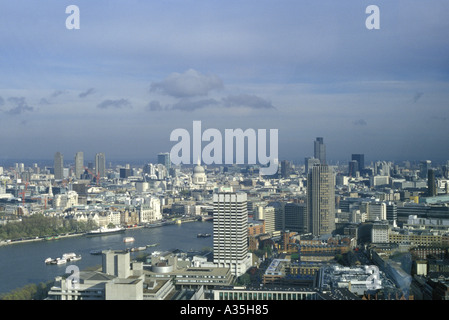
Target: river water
<point>23,263</point>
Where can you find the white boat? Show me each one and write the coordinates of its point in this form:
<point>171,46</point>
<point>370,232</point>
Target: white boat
<point>68,256</point>
<point>138,249</point>
<point>105,231</point>
<point>71,257</point>
<point>75,258</point>
<point>58,261</point>
<point>152,245</point>
<point>128,239</point>
<point>203,235</point>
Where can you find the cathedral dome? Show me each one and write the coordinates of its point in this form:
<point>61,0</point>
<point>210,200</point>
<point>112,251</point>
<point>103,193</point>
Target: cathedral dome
<point>198,169</point>
<point>199,175</point>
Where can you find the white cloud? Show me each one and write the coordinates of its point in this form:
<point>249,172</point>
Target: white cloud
<point>188,84</point>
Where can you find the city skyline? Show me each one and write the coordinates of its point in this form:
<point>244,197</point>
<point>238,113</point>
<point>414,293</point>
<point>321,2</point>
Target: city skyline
<point>120,85</point>
<point>70,161</point>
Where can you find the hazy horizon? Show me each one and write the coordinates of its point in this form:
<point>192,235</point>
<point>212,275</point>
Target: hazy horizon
<point>136,71</point>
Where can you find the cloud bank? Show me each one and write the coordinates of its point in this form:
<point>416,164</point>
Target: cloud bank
<point>188,84</point>
<point>116,104</point>
<point>191,84</point>
<point>18,105</point>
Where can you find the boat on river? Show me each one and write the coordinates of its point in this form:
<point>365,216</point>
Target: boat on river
<point>128,239</point>
<point>159,224</point>
<point>66,257</point>
<point>71,257</point>
<point>137,249</point>
<point>203,235</point>
<point>152,245</point>
<point>56,261</point>
<point>103,231</point>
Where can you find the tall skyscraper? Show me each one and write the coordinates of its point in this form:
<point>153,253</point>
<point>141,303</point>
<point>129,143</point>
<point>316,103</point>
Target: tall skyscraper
<point>360,158</point>
<point>320,200</point>
<point>100,164</point>
<point>79,164</point>
<point>164,158</point>
<point>309,163</point>
<point>445,169</point>
<point>319,150</point>
<point>353,167</point>
<point>286,169</point>
<point>58,166</point>
<point>424,167</point>
<point>231,232</point>
<point>431,184</point>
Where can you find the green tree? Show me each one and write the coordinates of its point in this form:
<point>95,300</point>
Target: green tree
<point>244,279</point>
<point>340,259</point>
<point>38,225</point>
<point>29,292</point>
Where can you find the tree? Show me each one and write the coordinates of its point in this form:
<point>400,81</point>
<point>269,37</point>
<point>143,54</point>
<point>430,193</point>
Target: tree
<point>38,225</point>
<point>29,292</point>
<point>244,279</point>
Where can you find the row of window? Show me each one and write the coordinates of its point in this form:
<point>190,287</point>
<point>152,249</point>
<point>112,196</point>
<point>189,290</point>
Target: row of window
<point>266,295</point>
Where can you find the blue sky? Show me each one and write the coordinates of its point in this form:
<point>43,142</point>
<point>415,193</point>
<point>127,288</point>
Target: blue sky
<point>137,70</point>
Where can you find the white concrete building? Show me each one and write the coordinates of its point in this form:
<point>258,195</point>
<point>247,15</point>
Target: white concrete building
<point>379,233</point>
<point>377,211</point>
<point>231,232</point>
<point>67,200</point>
<point>150,210</point>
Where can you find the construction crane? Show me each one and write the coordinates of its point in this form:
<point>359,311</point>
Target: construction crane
<point>97,176</point>
<point>45,198</point>
<point>23,193</point>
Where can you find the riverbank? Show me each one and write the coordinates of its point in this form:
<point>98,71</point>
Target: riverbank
<point>50,238</point>
<point>37,239</point>
<point>70,235</point>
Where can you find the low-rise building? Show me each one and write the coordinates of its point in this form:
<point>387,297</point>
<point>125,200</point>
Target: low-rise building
<point>119,280</point>
<point>280,293</point>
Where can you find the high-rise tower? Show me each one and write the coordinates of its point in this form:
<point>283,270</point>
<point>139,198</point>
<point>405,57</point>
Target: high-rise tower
<point>431,183</point>
<point>79,164</point>
<point>231,232</point>
<point>360,158</point>
<point>353,168</point>
<point>424,167</point>
<point>319,150</point>
<point>59,166</point>
<point>320,200</point>
<point>100,164</point>
<point>309,163</point>
<point>164,158</point>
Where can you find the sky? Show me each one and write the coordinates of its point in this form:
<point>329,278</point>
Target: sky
<point>135,71</point>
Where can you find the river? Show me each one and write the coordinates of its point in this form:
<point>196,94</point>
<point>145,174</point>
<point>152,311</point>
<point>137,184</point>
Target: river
<point>23,263</point>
